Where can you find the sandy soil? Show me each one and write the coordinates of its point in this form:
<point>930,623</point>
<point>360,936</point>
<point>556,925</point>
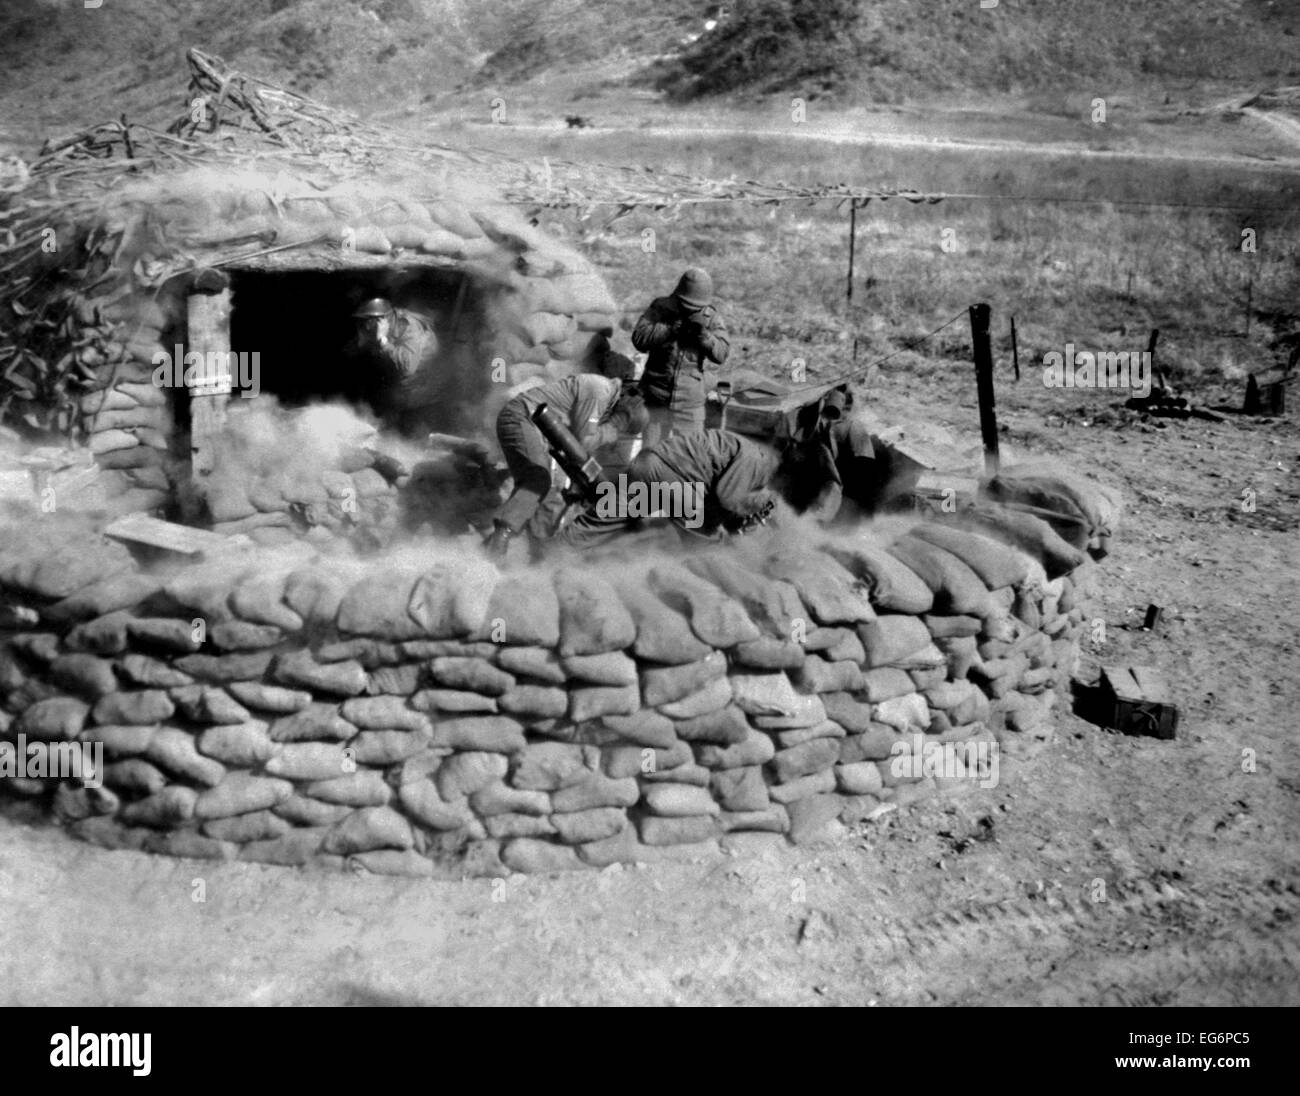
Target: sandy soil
<point>992,898</point>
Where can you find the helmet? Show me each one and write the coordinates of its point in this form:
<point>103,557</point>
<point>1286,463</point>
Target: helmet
<point>376,306</point>
<point>694,288</point>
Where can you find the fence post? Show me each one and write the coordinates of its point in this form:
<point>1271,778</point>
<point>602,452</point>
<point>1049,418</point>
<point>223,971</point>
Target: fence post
<point>1015,350</point>
<point>853,236</point>
<point>979,329</point>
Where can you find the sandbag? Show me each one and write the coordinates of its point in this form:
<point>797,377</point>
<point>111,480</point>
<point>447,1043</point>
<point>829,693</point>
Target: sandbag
<point>957,589</point>
<point>997,565</point>
<point>1030,534</point>
<point>891,584</point>
<point>892,638</point>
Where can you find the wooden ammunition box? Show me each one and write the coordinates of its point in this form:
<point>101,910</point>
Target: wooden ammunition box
<point>1136,701</point>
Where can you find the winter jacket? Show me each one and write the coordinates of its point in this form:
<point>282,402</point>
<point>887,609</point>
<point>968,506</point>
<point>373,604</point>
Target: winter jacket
<point>677,352</point>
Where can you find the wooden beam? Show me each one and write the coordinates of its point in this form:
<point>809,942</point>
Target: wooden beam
<point>209,335</point>
<point>983,351</point>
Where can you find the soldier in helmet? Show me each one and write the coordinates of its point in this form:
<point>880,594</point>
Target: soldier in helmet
<point>399,347</point>
<point>681,334</point>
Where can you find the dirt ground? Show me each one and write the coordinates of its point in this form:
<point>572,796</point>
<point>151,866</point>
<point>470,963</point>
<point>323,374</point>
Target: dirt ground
<point>1108,870</point>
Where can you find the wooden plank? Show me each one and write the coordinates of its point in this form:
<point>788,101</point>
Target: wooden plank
<point>182,539</point>
<point>209,334</point>
<point>1152,685</point>
<point>1121,682</point>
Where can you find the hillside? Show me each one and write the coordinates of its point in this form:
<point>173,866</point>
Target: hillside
<point>61,62</point>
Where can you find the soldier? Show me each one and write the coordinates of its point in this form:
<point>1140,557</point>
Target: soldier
<point>832,460</point>
<point>599,410</point>
<point>680,334</point>
<point>706,482</point>
<point>400,345</point>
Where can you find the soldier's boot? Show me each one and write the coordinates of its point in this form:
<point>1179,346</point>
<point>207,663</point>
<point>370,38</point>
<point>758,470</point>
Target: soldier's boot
<point>497,542</point>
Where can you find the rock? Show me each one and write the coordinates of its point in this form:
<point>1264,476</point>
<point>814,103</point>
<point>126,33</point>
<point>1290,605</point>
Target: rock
<point>593,790</point>
<point>791,791</point>
<point>134,775</point>
<point>145,707</point>
<point>85,676</point>
<point>315,723</point>
<point>768,653</point>
<point>534,662</point>
<point>431,701</point>
<point>678,800</point>
<point>523,611</point>
<point>383,713</point>
<point>243,745</point>
<point>592,618</point>
<point>535,701</point>
<point>859,778</point>
<point>338,678</point>
<point>363,788</point>
<point>494,733</point>
<point>712,698</point>
<point>740,789</point>
<point>644,727</point>
<point>620,762</point>
<point>663,635</point>
<point>548,766</point>
<point>60,718</point>
<point>293,849</point>
<point>269,698</point>
<point>172,806</point>
<point>596,824</point>
<point>254,826</point>
<point>140,669</point>
<point>475,675</point>
<point>715,618</point>
<point>757,749</point>
<point>819,676</point>
<point>532,856</point>
<point>876,744</point>
<point>657,830</point>
<point>601,700</point>
<point>832,594</point>
<point>809,757</point>
<point>610,668</point>
<point>815,820</point>
<point>308,761</point>
<point>367,829</point>
<point>207,704</point>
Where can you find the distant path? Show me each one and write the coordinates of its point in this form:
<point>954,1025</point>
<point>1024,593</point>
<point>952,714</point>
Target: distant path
<point>809,132</point>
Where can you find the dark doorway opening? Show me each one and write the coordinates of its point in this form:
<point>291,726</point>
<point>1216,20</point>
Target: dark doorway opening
<point>300,326</point>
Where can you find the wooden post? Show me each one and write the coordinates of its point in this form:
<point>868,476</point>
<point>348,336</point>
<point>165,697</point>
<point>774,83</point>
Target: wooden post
<point>853,236</point>
<point>1156,373</point>
<point>1015,350</point>
<point>209,335</point>
<point>979,329</point>
<point>1250,289</point>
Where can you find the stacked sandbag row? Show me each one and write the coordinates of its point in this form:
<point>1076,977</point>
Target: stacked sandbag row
<point>424,718</point>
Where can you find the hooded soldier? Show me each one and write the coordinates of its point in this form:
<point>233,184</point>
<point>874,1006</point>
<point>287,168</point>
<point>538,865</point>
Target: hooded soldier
<point>681,334</point>
<point>399,347</point>
<point>598,410</point>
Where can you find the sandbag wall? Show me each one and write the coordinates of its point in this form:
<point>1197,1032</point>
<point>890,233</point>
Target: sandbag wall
<point>444,718</point>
